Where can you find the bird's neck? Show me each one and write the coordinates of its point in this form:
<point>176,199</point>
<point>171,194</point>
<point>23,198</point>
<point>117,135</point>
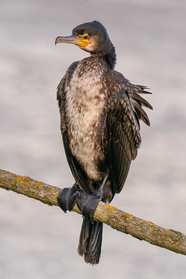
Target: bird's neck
<point>108,54</point>
<point>110,60</point>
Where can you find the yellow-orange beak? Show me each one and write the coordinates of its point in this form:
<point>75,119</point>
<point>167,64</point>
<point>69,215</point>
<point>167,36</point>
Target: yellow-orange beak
<point>75,40</point>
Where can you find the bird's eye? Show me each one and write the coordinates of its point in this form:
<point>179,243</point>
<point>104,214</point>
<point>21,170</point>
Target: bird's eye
<point>85,36</point>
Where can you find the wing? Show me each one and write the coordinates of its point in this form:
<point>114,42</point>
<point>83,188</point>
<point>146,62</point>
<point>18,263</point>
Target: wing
<point>124,140</point>
<point>137,101</point>
<point>124,131</point>
<point>62,88</point>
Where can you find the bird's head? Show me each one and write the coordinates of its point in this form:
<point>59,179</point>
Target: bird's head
<point>91,37</point>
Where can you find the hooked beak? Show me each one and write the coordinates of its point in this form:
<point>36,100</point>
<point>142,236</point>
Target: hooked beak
<point>68,40</point>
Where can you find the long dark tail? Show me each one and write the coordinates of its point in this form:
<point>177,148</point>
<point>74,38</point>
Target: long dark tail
<point>90,241</point>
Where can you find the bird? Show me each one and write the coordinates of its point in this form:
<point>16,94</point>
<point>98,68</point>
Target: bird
<point>100,113</point>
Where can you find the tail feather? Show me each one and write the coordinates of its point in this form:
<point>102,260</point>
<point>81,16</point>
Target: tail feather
<point>90,241</point>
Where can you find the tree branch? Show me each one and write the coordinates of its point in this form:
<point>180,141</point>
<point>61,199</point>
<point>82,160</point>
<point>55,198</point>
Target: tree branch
<point>108,214</point>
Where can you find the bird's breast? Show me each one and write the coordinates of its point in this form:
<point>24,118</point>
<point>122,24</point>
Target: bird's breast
<point>85,105</point>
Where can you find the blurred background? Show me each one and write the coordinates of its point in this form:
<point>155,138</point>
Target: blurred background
<point>38,241</point>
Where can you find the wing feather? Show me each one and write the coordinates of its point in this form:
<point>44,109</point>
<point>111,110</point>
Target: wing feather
<point>141,114</point>
<point>138,102</point>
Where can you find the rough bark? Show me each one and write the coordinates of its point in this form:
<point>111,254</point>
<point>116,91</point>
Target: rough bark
<point>108,214</point>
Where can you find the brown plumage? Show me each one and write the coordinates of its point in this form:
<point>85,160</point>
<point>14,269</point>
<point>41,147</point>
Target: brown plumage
<point>100,112</point>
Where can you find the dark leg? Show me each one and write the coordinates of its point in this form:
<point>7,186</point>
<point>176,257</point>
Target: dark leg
<point>67,198</point>
<point>87,203</point>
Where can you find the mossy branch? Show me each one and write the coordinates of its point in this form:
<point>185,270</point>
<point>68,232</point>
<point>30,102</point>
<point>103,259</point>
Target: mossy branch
<point>108,214</point>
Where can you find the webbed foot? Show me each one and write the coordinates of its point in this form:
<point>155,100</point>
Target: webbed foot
<point>87,204</point>
<point>67,198</point>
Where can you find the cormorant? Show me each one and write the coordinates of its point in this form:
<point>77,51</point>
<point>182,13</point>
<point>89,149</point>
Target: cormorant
<point>100,112</point>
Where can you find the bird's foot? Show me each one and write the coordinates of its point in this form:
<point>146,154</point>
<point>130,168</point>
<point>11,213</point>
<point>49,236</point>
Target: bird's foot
<point>87,204</point>
<point>67,198</point>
